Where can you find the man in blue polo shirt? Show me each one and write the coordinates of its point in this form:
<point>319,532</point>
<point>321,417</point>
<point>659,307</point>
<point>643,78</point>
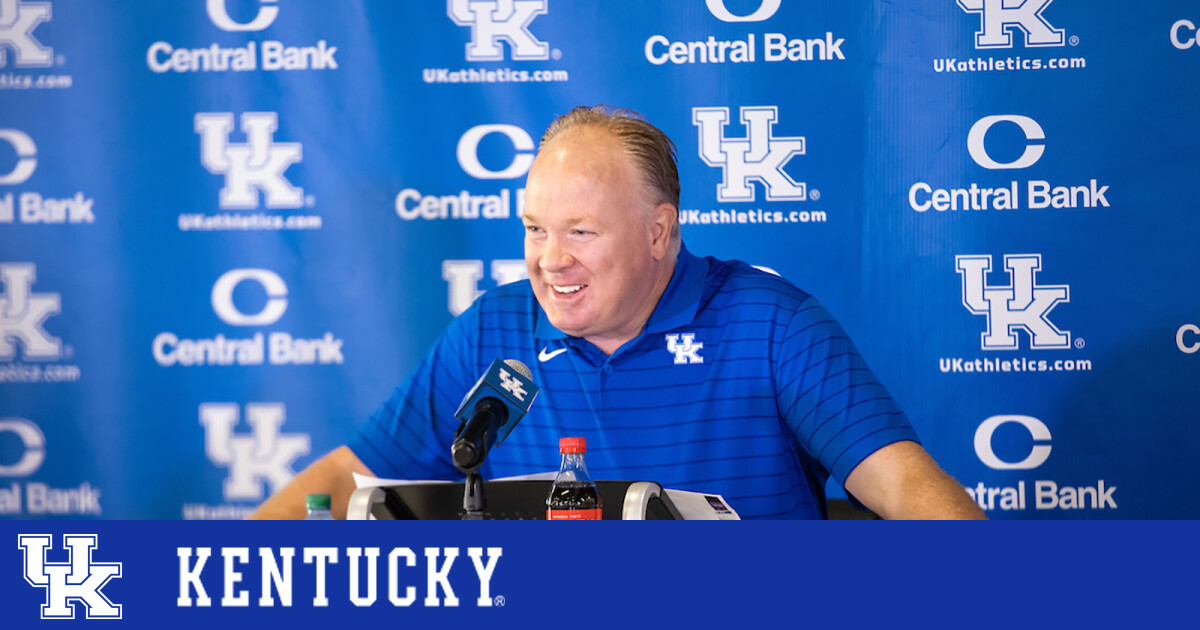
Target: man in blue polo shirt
<point>697,373</point>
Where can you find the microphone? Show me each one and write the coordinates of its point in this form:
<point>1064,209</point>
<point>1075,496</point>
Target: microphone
<point>490,410</point>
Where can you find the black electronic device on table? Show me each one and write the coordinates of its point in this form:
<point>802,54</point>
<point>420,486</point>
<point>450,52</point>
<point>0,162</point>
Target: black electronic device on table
<point>506,500</point>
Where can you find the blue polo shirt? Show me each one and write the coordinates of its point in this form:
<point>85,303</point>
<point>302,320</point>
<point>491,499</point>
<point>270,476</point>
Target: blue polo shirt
<point>741,384</point>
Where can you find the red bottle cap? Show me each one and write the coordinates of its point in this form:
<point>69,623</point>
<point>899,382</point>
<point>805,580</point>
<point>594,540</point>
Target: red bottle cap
<point>572,445</point>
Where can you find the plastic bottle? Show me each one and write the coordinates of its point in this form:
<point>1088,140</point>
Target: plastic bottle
<point>318,507</point>
<point>573,495</point>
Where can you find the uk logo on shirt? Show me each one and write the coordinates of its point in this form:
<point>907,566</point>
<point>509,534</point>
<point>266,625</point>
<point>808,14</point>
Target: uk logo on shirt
<point>685,348</point>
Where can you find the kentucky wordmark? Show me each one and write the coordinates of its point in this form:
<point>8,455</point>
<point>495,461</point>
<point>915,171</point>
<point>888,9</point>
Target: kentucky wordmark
<point>275,572</point>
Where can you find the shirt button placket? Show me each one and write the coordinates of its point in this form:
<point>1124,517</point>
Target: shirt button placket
<point>605,370</point>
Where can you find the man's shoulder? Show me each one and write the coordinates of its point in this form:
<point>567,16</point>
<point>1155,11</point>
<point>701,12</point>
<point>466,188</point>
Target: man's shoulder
<point>504,306</point>
<point>734,282</point>
<point>508,295</point>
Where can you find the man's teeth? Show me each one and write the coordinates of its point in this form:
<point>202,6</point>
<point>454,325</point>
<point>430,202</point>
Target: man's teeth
<point>570,288</point>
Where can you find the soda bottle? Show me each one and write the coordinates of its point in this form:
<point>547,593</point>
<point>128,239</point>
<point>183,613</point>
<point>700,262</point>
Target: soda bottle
<point>573,495</point>
<point>318,507</point>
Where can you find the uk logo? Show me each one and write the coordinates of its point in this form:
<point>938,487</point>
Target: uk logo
<point>257,165</point>
<point>760,156</point>
<point>17,22</point>
<point>1022,305</point>
<point>1000,18</point>
<point>22,313</point>
<point>462,279</point>
<point>493,21</point>
<point>513,385</point>
<point>266,455</point>
<point>77,581</point>
<point>685,348</point>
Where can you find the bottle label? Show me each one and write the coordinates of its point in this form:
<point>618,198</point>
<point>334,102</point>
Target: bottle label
<point>591,514</point>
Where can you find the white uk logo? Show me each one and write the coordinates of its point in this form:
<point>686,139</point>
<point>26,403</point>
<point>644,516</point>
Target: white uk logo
<point>272,284</point>
<point>264,455</point>
<point>513,385</point>
<point>219,15</point>
<point>462,279</point>
<point>257,165</point>
<point>494,20</point>
<point>23,312</point>
<point>26,152</point>
<point>760,156</point>
<point>1022,305</point>
<point>685,348</point>
<point>765,10</point>
<point>999,18</point>
<point>77,581</point>
<point>468,152</point>
<point>17,21</point>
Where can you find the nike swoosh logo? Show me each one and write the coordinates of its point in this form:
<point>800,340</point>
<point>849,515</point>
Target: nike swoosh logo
<point>546,356</point>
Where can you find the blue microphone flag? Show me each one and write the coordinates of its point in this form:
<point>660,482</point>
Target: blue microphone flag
<point>506,383</point>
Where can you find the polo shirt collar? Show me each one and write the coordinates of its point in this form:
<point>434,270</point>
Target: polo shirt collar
<point>676,307</point>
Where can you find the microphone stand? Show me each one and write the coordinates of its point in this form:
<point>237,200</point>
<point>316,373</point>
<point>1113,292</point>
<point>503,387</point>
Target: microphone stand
<point>468,457</point>
<point>473,501</point>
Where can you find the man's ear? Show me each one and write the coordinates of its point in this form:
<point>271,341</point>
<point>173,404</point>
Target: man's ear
<point>662,224</point>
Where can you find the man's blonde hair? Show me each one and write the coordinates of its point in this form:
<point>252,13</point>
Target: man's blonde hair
<point>652,152</point>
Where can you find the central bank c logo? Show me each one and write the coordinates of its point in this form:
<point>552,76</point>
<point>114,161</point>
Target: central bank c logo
<point>35,447</point>
<point>765,10</point>
<point>1037,455</point>
<point>26,151</point>
<point>468,152</point>
<point>220,16</point>
<point>1033,152</point>
<point>222,297</point>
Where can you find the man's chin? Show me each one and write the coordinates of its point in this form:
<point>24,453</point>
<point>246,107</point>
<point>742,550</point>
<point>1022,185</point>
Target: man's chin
<point>567,325</point>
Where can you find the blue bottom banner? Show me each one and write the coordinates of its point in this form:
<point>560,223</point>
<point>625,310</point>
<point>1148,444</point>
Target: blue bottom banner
<point>601,574</point>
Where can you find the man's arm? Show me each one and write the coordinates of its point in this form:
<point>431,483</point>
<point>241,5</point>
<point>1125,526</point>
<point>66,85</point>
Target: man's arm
<point>329,475</point>
<point>901,481</point>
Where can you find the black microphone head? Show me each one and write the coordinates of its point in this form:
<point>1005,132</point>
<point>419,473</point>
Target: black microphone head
<point>464,454</point>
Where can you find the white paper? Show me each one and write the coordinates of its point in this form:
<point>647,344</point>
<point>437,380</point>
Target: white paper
<point>364,481</point>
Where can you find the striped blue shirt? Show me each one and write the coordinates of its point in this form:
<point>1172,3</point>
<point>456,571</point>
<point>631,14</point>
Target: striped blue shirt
<point>741,384</point>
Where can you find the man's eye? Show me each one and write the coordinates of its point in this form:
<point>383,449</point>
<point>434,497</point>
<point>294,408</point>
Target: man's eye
<point>532,229</point>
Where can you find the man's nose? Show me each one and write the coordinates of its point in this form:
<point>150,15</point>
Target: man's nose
<point>555,257</point>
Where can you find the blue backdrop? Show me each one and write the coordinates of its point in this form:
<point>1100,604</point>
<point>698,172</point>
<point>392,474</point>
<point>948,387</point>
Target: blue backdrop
<point>229,228</point>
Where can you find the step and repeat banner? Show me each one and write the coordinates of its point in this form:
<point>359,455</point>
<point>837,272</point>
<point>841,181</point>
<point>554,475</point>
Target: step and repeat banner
<point>228,228</point>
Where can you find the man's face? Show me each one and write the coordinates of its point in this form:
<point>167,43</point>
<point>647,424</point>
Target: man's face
<point>594,255</point>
